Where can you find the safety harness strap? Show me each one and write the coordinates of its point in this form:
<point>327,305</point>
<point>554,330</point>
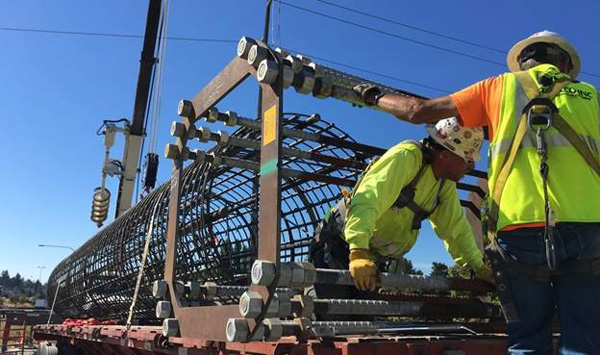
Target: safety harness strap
<point>532,92</point>
<point>561,124</point>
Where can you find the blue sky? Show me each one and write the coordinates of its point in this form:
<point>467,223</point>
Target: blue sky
<point>55,89</point>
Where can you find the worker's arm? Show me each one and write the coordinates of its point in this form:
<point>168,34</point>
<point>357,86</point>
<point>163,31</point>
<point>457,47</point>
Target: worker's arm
<point>417,110</point>
<point>378,191</point>
<point>410,109</point>
<point>450,224</point>
<point>375,194</point>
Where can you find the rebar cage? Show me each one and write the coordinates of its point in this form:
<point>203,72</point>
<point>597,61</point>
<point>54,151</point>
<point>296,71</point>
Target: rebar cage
<point>218,226</point>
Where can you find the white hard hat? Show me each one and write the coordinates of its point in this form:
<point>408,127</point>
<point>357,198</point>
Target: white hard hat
<point>544,37</point>
<point>462,141</point>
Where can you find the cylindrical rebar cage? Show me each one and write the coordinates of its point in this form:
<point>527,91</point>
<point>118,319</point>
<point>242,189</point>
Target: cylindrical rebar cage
<point>218,227</point>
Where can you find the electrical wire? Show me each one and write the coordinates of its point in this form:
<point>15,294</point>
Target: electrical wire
<point>422,43</point>
<point>115,35</point>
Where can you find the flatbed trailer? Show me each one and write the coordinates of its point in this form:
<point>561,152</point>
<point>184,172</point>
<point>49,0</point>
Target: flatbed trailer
<point>148,340</point>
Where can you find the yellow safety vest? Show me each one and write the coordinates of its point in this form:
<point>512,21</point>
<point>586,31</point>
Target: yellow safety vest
<point>574,187</point>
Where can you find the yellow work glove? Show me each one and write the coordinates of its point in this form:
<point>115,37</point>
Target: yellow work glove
<point>363,270</point>
<point>485,273</point>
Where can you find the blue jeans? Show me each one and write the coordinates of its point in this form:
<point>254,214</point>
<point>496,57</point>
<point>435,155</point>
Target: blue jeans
<point>578,302</point>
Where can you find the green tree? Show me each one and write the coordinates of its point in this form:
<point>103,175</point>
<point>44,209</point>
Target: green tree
<point>403,266</point>
<point>439,269</point>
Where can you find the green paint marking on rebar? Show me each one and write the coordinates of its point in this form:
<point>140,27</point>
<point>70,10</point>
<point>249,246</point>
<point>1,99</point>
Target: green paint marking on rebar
<point>268,167</point>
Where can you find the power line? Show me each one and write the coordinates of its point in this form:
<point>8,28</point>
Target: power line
<point>191,39</point>
<point>392,34</point>
<point>113,35</point>
<point>456,39</point>
<point>481,59</point>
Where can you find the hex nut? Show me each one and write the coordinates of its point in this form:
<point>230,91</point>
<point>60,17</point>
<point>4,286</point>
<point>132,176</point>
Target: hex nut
<point>199,156</point>
<point>297,275</point>
<point>170,327</point>
<point>263,272</point>
<point>295,63</point>
<point>304,59</point>
<point>163,309</point>
<point>171,151</point>
<point>215,160</point>
<point>267,72</point>
<point>237,329</point>
<point>160,289</point>
<point>223,137</point>
<point>307,84</point>
<point>282,52</point>
<point>251,304</point>
<point>179,288</point>
<point>213,115</point>
<point>310,272</point>
<point>273,309</point>
<point>285,274</point>
<point>177,129</point>
<point>210,289</point>
<point>273,329</point>
<point>285,308</point>
<point>232,118</point>
<point>307,304</point>
<point>191,132</point>
<point>194,289</point>
<point>203,134</point>
<point>244,46</point>
<point>256,55</point>
<point>323,87</point>
<point>185,108</point>
<point>288,77</point>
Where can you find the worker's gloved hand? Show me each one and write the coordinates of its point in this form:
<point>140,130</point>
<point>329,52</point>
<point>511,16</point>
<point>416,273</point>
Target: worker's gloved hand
<point>485,273</point>
<point>369,93</point>
<point>363,270</point>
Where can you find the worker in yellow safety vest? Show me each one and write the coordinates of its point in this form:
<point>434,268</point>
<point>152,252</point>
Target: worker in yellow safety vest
<point>544,183</point>
<point>381,218</point>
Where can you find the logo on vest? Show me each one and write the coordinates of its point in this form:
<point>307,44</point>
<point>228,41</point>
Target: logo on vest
<point>577,93</point>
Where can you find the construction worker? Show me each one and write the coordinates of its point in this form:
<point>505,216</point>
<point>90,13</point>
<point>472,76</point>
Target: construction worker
<point>544,184</point>
<point>381,218</point>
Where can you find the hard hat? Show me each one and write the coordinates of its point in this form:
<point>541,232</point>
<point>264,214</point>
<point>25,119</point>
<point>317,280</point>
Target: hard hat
<point>544,37</point>
<point>462,141</point>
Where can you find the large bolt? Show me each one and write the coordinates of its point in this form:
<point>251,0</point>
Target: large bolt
<point>263,272</point>
<point>194,289</point>
<point>307,84</point>
<point>232,118</point>
<point>244,46</point>
<point>273,310</point>
<point>297,275</point>
<point>323,87</point>
<point>171,151</point>
<point>267,72</point>
<point>285,274</point>
<point>203,134</point>
<point>295,63</point>
<point>160,289</point>
<point>177,129</point>
<point>310,273</point>
<point>250,304</point>
<point>223,137</point>
<point>288,77</point>
<point>185,109</point>
<point>170,327</point>
<point>238,330</point>
<point>273,329</point>
<point>256,55</point>
<point>211,289</point>
<point>163,309</point>
<point>179,288</point>
<point>213,115</point>
<point>285,308</point>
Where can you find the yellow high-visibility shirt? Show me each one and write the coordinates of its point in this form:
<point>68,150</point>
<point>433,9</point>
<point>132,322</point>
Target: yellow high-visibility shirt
<point>373,223</point>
